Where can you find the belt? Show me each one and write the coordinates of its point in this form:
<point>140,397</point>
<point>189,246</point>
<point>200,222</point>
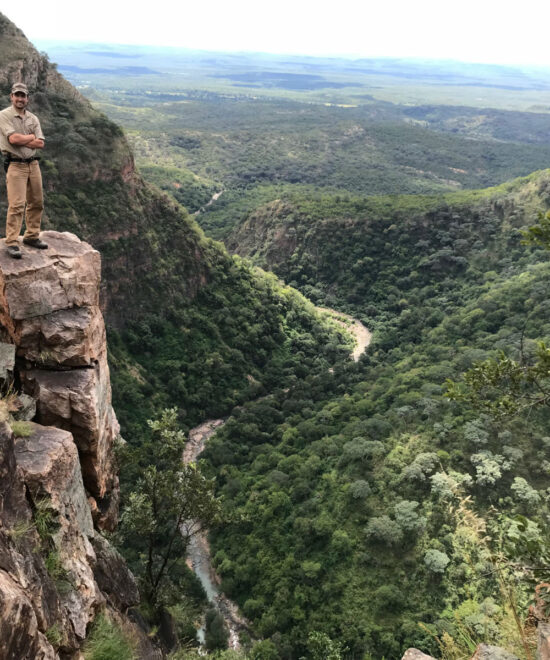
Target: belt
<point>24,160</point>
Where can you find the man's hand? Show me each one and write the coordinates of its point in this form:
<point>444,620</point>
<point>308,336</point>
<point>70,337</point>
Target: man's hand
<point>20,140</point>
<point>37,143</point>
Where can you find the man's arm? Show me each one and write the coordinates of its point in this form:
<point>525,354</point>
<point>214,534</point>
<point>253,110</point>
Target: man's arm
<point>37,143</point>
<point>20,140</point>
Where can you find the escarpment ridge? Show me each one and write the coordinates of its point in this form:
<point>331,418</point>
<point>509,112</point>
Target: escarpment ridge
<point>58,480</point>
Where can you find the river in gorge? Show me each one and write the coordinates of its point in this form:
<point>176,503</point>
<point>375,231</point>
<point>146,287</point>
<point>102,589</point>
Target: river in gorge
<point>198,550</point>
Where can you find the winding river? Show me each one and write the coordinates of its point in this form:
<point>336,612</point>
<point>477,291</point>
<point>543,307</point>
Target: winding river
<point>198,551</point>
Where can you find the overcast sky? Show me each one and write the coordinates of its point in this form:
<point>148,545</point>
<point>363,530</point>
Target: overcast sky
<point>467,30</point>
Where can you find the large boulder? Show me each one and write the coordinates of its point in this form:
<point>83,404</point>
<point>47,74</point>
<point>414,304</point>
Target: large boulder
<point>52,584</point>
<point>113,576</point>
<point>19,631</point>
<point>68,337</point>
<point>48,460</point>
<point>64,276</point>
<point>79,401</point>
<point>415,654</point>
<point>29,604</point>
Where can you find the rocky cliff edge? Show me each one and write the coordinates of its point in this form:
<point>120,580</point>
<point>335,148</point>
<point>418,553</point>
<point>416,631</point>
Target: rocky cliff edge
<point>58,481</point>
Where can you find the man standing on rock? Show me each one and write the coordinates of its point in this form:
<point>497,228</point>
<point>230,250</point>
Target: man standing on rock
<point>20,137</point>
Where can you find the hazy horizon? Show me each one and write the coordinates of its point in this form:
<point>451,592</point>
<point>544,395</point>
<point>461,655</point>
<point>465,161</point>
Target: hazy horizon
<point>482,33</point>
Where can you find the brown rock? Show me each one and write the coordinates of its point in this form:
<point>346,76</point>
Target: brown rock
<point>63,276</point>
<point>68,337</point>
<point>48,460</point>
<point>80,402</point>
<point>415,654</point>
<point>12,490</point>
<point>49,302</point>
<point>105,509</point>
<point>19,634</point>
<point>18,552</point>
<point>543,641</point>
<point>113,576</point>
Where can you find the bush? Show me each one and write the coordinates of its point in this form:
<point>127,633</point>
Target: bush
<point>216,635</point>
<point>384,530</point>
<point>436,561</point>
<point>107,641</point>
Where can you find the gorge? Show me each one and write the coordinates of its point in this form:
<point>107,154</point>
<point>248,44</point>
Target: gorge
<point>363,510</point>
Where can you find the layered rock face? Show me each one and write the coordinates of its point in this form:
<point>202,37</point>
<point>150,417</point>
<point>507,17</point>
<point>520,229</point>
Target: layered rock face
<point>58,481</point>
<point>49,309</point>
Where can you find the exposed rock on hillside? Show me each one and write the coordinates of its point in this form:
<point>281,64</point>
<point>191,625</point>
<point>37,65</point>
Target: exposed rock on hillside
<point>49,307</point>
<point>56,571</point>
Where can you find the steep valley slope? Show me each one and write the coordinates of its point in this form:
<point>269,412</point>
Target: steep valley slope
<point>368,502</point>
<point>359,501</point>
<point>188,325</point>
<point>198,329</point>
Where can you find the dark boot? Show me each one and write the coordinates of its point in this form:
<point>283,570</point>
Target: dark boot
<point>35,243</point>
<point>14,251</point>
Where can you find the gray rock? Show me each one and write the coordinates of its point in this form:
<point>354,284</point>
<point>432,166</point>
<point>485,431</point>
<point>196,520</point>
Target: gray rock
<point>543,641</point>
<point>27,408</point>
<point>415,654</point>
<point>113,576</point>
<point>7,360</point>
<point>487,652</point>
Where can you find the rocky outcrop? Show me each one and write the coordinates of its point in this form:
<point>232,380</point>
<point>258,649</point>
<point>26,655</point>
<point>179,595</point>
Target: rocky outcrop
<point>482,652</point>
<point>58,481</point>
<point>488,652</point>
<point>415,654</point>
<point>49,308</point>
<point>543,641</point>
<point>48,460</point>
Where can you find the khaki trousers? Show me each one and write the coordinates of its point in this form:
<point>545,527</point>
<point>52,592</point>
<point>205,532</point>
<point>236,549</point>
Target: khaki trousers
<point>24,187</point>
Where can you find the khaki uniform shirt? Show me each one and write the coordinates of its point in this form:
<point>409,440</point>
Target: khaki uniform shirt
<point>12,122</point>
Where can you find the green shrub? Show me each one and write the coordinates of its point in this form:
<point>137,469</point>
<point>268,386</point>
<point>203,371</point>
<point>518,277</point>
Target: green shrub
<point>21,429</point>
<point>107,641</point>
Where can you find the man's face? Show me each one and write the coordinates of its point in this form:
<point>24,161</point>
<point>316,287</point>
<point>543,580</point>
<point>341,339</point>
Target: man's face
<point>19,100</point>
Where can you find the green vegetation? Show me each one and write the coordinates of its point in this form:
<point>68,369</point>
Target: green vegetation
<point>241,142</point>
<point>216,635</point>
<point>344,492</point>
<point>362,509</point>
<point>21,429</point>
<point>169,502</point>
<point>107,641</point>
<point>54,636</point>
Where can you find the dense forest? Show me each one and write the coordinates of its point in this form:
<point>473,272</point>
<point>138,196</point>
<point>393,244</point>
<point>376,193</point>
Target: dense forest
<point>355,508</point>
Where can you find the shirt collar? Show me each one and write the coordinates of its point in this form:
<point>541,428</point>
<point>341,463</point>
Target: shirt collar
<point>13,112</point>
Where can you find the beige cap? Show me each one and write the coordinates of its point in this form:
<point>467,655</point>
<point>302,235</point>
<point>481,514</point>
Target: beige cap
<point>19,87</point>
